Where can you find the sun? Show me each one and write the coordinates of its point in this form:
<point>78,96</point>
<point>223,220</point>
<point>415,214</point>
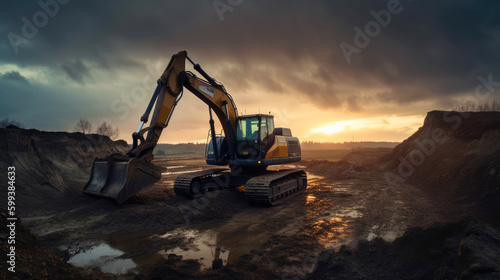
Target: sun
<point>330,129</point>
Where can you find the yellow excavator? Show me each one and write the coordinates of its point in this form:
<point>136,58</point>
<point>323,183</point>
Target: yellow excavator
<point>248,145</point>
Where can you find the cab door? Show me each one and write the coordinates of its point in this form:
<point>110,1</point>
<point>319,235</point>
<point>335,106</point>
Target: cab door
<point>248,138</point>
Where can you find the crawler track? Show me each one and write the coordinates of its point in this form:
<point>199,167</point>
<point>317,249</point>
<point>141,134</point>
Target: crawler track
<point>269,188</point>
<point>275,187</point>
<point>195,183</point>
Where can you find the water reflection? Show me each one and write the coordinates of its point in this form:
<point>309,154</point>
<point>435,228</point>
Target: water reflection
<point>209,247</point>
<point>330,232</point>
<point>310,199</point>
<point>103,257</point>
<point>329,224</point>
<point>121,252</point>
<point>202,246</point>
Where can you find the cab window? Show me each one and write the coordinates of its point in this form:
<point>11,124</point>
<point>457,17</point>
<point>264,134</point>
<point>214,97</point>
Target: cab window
<point>270,126</point>
<point>263,131</point>
<point>248,129</point>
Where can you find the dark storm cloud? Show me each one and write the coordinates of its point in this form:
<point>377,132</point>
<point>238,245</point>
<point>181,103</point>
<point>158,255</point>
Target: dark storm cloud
<point>77,71</point>
<point>14,76</point>
<point>430,51</point>
<point>41,106</point>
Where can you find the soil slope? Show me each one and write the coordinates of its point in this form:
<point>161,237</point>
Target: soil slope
<point>48,163</point>
<point>453,154</point>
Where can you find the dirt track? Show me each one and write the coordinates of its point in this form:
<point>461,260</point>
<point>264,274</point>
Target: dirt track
<point>146,236</point>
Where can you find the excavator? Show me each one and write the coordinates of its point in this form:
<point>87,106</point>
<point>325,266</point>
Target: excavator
<point>247,144</point>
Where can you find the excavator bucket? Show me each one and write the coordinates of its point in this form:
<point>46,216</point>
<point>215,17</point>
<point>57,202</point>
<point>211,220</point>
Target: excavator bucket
<point>119,178</point>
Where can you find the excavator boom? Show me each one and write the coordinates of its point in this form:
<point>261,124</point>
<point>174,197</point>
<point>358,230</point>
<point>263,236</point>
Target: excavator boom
<point>120,176</point>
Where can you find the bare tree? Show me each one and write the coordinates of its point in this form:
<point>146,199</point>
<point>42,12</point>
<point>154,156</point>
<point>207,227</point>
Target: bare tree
<point>83,126</point>
<point>492,105</point>
<point>106,129</point>
<point>6,122</point>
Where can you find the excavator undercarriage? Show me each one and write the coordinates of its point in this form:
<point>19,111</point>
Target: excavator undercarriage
<point>267,188</point>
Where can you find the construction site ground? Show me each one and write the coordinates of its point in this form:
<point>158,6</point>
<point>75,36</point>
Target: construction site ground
<point>159,234</point>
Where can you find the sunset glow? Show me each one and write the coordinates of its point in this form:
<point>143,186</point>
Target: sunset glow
<point>331,129</point>
<point>375,129</point>
<point>293,68</point>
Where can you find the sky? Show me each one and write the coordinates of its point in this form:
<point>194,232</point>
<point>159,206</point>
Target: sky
<point>329,70</point>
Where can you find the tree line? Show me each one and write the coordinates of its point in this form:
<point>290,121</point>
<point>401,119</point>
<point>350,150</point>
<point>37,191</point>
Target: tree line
<point>105,129</point>
<point>83,126</point>
<point>6,122</point>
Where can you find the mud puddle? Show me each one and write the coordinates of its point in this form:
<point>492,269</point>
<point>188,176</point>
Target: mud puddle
<point>104,257</point>
<point>121,253</point>
<point>330,215</point>
<point>201,246</point>
<point>111,254</point>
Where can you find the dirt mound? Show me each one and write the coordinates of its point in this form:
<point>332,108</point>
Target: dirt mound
<point>464,250</point>
<point>49,164</point>
<point>352,165</point>
<point>455,154</point>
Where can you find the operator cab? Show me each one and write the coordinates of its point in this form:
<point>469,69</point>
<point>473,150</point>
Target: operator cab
<point>258,143</point>
<point>254,136</point>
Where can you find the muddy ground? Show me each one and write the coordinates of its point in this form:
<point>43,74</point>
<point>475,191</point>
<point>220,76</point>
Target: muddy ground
<point>351,222</point>
<point>158,234</point>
